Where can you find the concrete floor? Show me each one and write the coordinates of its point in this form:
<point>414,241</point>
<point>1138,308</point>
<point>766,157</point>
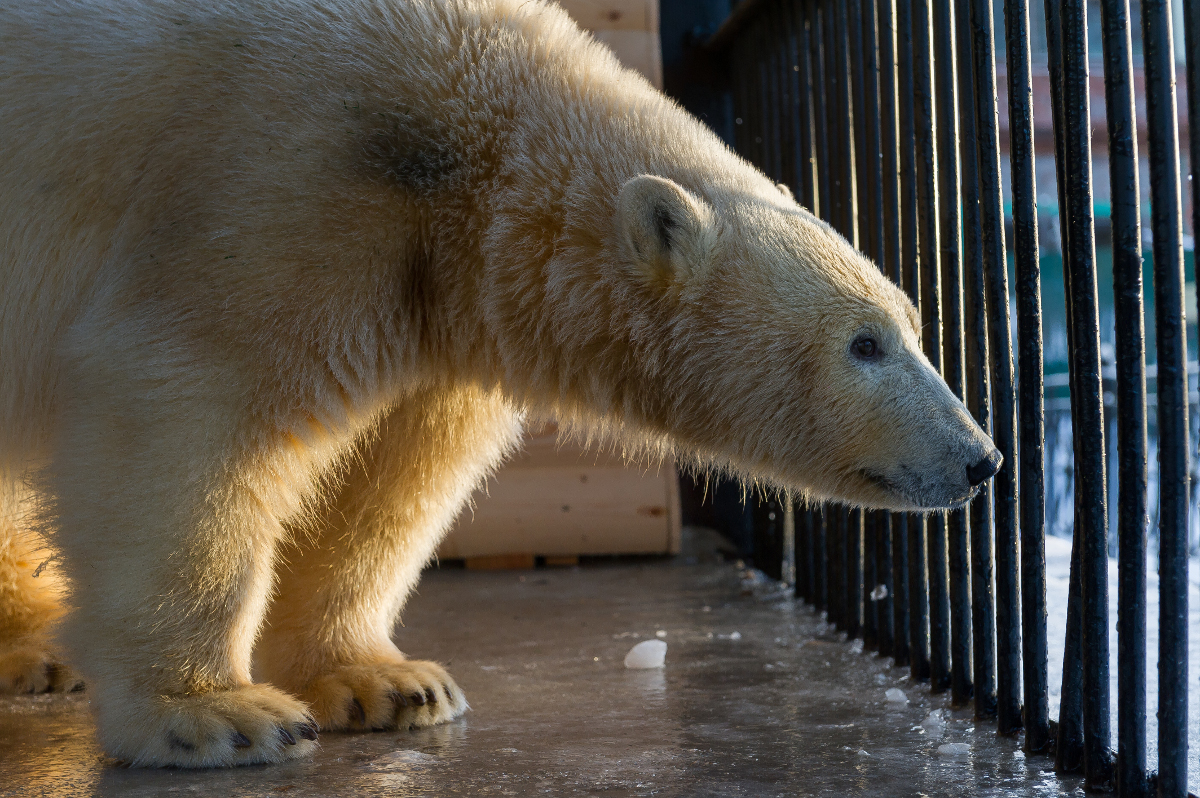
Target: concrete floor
<point>758,698</point>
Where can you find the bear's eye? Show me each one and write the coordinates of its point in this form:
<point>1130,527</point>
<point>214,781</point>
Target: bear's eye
<point>866,348</point>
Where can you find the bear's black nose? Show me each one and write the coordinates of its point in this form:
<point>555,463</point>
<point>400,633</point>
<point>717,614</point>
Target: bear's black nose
<point>985,468</point>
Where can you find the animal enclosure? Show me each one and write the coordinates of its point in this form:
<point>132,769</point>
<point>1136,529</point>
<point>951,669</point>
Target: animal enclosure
<point>884,117</point>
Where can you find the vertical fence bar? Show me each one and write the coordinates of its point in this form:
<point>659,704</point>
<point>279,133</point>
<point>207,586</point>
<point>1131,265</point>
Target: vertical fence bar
<point>983,614</point>
<point>854,572</point>
<point>1131,396</point>
<point>959,596</point>
<point>1191,44</point>
<point>820,558</point>
<point>854,11</point>
<point>1170,327</point>
<point>991,201</point>
<point>1068,753</point>
<point>892,212</point>
<point>845,121</point>
<point>833,143</point>
<point>931,320</point>
<point>786,58</point>
<point>816,44</point>
<point>1034,652</point>
<point>1087,413</point>
<point>834,537</point>
<point>872,167</point>
<point>918,591</point>
<point>804,107</point>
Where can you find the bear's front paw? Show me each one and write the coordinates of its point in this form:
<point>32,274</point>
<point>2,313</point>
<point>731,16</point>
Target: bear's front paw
<point>32,667</point>
<point>402,694</point>
<point>246,725</point>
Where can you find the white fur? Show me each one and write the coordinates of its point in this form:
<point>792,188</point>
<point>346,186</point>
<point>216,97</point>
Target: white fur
<point>281,280</point>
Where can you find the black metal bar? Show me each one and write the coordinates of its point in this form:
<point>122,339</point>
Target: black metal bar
<point>820,85</point>
<point>845,123</point>
<point>1034,652</point>
<point>889,139</point>
<point>853,547</point>
<point>958,597</point>
<point>788,117</point>
<point>1171,329</point>
<point>869,579</point>
<point>833,565</point>
<point>1068,753</point>
<point>1004,484</point>
<point>833,143</point>
<point>917,588</point>
<point>1087,420</point>
<point>931,321</point>
<point>871,166</point>
<point>820,559</point>
<point>983,614</point>
<point>1191,43</point>
<point>884,584</point>
<point>1131,397</point>
<point>858,82</point>
<point>807,194</point>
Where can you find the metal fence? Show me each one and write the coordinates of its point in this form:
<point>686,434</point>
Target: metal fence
<point>882,117</point>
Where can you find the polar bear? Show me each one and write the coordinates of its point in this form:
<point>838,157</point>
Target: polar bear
<point>282,281</point>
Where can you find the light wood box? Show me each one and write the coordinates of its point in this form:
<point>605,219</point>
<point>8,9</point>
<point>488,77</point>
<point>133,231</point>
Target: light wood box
<point>629,27</point>
<point>556,501</point>
<point>560,502</point>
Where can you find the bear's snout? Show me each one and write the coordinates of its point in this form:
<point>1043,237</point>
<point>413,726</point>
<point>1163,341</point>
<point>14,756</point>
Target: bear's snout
<point>986,468</point>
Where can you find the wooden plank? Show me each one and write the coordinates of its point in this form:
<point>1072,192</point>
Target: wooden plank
<point>500,562</point>
<point>640,50</point>
<point>596,15</point>
<point>557,510</point>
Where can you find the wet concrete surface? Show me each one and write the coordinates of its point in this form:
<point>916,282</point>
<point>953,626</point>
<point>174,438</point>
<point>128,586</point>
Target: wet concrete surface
<point>758,698</point>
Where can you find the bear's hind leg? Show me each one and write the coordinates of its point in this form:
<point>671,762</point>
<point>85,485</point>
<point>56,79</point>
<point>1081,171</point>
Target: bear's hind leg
<point>328,635</point>
<point>29,602</point>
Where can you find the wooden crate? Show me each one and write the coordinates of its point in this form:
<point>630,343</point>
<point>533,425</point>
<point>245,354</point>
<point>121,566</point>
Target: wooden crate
<point>560,501</point>
<point>629,27</point>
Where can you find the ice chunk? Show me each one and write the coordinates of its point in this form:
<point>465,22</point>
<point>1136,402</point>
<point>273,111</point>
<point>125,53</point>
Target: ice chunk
<point>857,646</point>
<point>935,723</point>
<point>954,749</point>
<point>896,696</point>
<point>647,654</point>
<point>881,678</point>
<point>661,633</point>
<point>879,593</point>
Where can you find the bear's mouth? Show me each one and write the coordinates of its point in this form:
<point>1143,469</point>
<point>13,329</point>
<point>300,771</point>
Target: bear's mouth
<point>917,500</point>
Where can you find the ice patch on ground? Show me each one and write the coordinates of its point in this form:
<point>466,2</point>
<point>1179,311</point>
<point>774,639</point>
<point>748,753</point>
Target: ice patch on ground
<point>646,654</point>
<point>954,750</point>
<point>895,695</point>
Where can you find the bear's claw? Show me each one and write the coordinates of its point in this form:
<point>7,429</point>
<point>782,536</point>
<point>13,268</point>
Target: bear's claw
<point>31,667</point>
<point>249,724</point>
<point>397,694</point>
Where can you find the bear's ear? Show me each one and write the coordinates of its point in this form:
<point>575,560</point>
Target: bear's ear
<point>785,191</point>
<point>668,232</point>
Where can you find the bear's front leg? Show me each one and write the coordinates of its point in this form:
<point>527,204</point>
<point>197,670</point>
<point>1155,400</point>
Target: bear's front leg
<point>328,635</point>
<point>167,493</point>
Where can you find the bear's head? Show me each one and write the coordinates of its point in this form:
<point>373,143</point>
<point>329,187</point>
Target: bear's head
<point>793,359</point>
